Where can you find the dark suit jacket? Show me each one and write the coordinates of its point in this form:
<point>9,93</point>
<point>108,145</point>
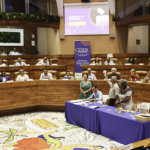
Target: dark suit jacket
<point>7,78</point>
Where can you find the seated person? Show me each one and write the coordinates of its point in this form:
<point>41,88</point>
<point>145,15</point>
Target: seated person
<point>46,75</point>
<point>2,64</point>
<point>22,76</point>
<point>108,61</point>
<point>125,95</point>
<point>20,62</point>
<point>96,61</point>
<point>14,52</point>
<point>4,77</point>
<point>91,76</point>
<point>133,75</point>
<point>85,87</point>
<point>43,62</point>
<point>3,53</point>
<point>147,78</point>
<point>96,95</point>
<point>114,70</point>
<point>68,76</point>
<point>131,60</point>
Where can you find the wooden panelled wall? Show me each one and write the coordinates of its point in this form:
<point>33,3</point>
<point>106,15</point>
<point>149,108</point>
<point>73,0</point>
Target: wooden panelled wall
<point>27,48</point>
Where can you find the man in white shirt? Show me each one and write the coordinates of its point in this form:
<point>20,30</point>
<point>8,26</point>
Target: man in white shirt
<point>43,62</point>
<point>96,95</point>
<point>91,76</point>
<point>46,75</point>
<point>114,90</point>
<point>20,62</point>
<point>14,52</point>
<point>22,76</point>
<point>108,61</point>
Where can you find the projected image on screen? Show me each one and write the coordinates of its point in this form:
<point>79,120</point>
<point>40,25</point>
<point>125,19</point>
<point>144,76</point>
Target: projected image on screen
<point>87,20</point>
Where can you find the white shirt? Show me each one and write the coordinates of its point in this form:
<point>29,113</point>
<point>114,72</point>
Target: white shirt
<point>42,63</point>
<point>48,76</point>
<point>110,63</point>
<point>3,65</point>
<point>93,63</point>
<point>25,77</point>
<point>20,63</point>
<point>98,96</point>
<point>124,94</point>
<point>3,54</point>
<point>91,76</point>
<point>114,90</point>
<point>4,79</point>
<point>14,53</point>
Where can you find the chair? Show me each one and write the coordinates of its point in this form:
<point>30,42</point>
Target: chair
<point>7,73</point>
<point>53,61</point>
<point>62,74</point>
<point>143,107</point>
<point>54,73</point>
<point>92,71</point>
<point>115,60</point>
<point>141,73</point>
<point>126,59</point>
<point>23,60</point>
<point>93,59</point>
<point>17,73</point>
<point>108,73</point>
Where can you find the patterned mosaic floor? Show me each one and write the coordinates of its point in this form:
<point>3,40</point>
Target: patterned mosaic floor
<point>47,131</point>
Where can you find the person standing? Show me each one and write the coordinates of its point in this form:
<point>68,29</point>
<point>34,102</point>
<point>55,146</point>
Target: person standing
<point>114,90</point>
<point>125,95</point>
<point>85,87</point>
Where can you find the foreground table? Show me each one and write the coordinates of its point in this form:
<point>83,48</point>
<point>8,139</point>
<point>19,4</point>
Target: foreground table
<point>122,128</point>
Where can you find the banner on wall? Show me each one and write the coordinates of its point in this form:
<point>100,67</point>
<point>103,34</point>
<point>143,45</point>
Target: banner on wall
<point>82,55</point>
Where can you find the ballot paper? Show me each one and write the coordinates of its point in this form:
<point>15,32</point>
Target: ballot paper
<point>77,100</point>
<point>94,107</point>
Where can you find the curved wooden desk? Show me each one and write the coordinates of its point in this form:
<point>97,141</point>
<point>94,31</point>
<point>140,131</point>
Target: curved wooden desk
<point>51,95</point>
<point>123,69</point>
<point>34,72</point>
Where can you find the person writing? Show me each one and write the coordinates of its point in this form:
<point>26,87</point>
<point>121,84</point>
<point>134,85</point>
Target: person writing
<point>96,95</point>
<point>114,90</point>
<point>125,95</point>
<point>85,87</point>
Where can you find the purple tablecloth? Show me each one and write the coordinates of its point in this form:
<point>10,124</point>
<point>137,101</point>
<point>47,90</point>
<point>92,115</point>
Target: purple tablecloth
<point>122,128</point>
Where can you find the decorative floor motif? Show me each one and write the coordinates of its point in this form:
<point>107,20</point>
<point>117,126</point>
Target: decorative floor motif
<point>47,131</point>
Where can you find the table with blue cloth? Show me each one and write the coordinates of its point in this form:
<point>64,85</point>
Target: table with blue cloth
<point>105,120</point>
